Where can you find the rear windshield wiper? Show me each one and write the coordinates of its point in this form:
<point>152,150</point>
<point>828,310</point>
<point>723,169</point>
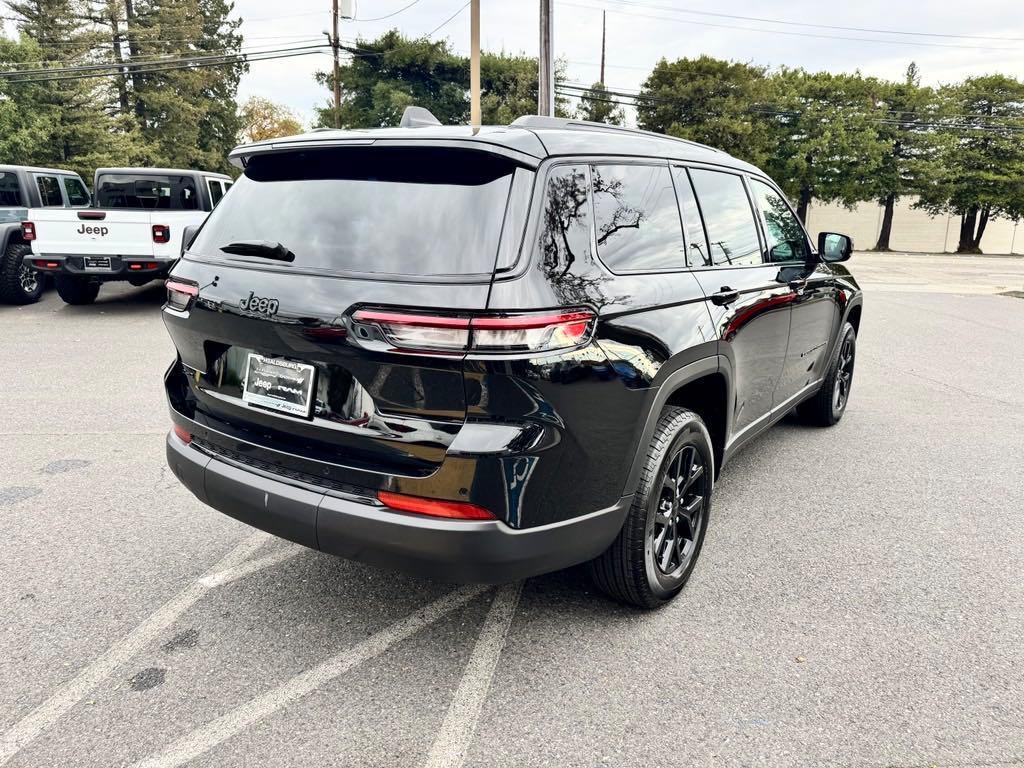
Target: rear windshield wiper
<point>265,249</point>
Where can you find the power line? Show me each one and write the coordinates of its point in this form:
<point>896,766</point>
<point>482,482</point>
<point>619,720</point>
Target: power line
<point>389,15</point>
<point>447,21</point>
<point>914,33</point>
<point>784,32</point>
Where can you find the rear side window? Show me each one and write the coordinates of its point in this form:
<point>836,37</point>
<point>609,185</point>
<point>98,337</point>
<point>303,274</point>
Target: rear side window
<point>786,238</point>
<point>78,195</point>
<point>145,192</point>
<point>49,192</point>
<point>637,218</point>
<point>388,211</point>
<point>732,229</point>
<point>697,254</point>
<point>216,190</point>
<point>10,189</point>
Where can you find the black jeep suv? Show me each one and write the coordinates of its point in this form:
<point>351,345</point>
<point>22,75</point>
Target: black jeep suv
<point>482,355</point>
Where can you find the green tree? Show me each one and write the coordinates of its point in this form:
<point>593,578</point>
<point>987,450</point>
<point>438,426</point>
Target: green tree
<point>911,145</point>
<point>22,128</point>
<point>981,167</point>
<point>393,72</point>
<point>598,106</point>
<point>824,130</point>
<point>710,101</point>
<point>74,130</point>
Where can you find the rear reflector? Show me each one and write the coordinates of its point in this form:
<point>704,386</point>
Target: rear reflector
<point>161,233</point>
<point>525,332</point>
<point>180,294</point>
<point>44,264</point>
<point>182,434</point>
<point>28,231</point>
<point>454,510</point>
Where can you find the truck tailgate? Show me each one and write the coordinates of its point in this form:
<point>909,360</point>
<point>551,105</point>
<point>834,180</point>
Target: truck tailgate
<point>111,232</point>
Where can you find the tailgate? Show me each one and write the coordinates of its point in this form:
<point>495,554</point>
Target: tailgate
<point>88,232</point>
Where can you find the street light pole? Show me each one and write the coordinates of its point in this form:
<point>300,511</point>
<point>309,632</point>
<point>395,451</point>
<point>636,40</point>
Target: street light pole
<point>474,63</point>
<point>336,46</point>
<point>546,65</point>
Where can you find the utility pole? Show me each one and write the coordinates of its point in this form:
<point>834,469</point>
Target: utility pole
<point>336,46</point>
<point>603,13</point>
<point>474,63</point>
<point>546,64</point>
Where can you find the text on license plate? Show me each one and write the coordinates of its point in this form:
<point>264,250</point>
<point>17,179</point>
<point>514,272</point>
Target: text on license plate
<point>282,385</point>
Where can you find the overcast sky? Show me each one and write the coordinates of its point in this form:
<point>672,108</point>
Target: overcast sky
<point>952,40</point>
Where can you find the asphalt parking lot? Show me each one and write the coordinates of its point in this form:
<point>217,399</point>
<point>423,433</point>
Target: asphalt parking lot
<point>859,601</point>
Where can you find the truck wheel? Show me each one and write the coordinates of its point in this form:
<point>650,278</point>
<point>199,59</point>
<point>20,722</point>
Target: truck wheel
<point>75,290</point>
<point>19,282</point>
<point>655,552</point>
<point>829,404</point>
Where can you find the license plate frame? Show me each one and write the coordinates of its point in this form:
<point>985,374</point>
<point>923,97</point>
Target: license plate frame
<point>97,264</point>
<point>278,384</point>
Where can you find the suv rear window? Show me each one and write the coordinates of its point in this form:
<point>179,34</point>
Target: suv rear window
<point>10,189</point>
<point>389,211</point>
<point>144,192</point>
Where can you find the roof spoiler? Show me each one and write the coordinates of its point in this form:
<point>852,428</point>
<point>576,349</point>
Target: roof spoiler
<point>417,117</point>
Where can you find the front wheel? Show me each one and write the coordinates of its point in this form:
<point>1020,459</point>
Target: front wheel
<point>655,552</point>
<point>76,290</point>
<point>827,407</point>
<point>19,282</point>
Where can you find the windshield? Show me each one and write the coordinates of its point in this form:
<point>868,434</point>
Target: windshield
<point>145,192</point>
<point>394,211</point>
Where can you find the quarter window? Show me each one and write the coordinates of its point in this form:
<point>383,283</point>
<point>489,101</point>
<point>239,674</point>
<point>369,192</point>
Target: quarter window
<point>10,189</point>
<point>216,190</point>
<point>732,229</point>
<point>78,195</point>
<point>49,192</point>
<point>786,238</point>
<point>637,218</point>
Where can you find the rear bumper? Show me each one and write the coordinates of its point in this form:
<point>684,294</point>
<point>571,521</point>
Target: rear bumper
<point>362,529</point>
<point>121,267</point>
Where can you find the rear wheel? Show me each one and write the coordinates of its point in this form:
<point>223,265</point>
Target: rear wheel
<point>655,552</point>
<point>76,290</point>
<point>829,404</point>
<point>19,282</point>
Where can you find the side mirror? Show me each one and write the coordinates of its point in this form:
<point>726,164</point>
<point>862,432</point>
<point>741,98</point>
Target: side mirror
<point>834,247</point>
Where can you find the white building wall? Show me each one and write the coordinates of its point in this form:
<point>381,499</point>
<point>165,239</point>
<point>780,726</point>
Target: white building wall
<point>912,230</point>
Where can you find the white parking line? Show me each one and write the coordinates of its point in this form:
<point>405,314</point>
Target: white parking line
<point>70,693</point>
<point>456,734</point>
<point>237,720</point>
<point>220,578</point>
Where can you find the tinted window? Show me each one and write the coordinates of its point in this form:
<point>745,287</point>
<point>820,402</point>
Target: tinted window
<point>637,218</point>
<point>165,193</point>
<point>697,242</point>
<point>78,195</point>
<point>564,235</point>
<point>732,229</point>
<point>786,238</point>
<point>10,189</point>
<point>398,211</point>
<point>49,192</point>
<point>216,190</point>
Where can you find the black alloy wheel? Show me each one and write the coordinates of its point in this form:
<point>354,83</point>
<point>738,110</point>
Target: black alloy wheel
<point>844,375</point>
<point>680,511</point>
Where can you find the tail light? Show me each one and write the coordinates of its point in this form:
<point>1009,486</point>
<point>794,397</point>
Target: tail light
<point>180,294</point>
<point>183,434</point>
<point>44,264</point>
<point>28,231</point>
<point>454,510</point>
<point>161,233</point>
<point>521,332</point>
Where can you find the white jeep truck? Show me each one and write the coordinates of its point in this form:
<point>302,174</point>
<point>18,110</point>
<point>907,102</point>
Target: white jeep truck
<point>135,230</point>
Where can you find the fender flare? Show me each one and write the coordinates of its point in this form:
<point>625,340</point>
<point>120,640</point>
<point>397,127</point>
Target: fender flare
<point>698,369</point>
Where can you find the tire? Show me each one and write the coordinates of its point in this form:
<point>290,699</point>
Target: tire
<point>19,282</point>
<point>828,405</point>
<point>634,569</point>
<point>76,290</point>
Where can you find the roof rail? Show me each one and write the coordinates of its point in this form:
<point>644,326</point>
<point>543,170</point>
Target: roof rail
<point>571,124</point>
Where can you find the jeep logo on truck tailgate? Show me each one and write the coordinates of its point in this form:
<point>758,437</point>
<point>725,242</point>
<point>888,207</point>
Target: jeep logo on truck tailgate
<point>86,230</point>
<point>259,306</point>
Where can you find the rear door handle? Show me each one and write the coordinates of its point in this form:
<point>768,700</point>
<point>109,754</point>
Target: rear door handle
<point>725,296</point>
